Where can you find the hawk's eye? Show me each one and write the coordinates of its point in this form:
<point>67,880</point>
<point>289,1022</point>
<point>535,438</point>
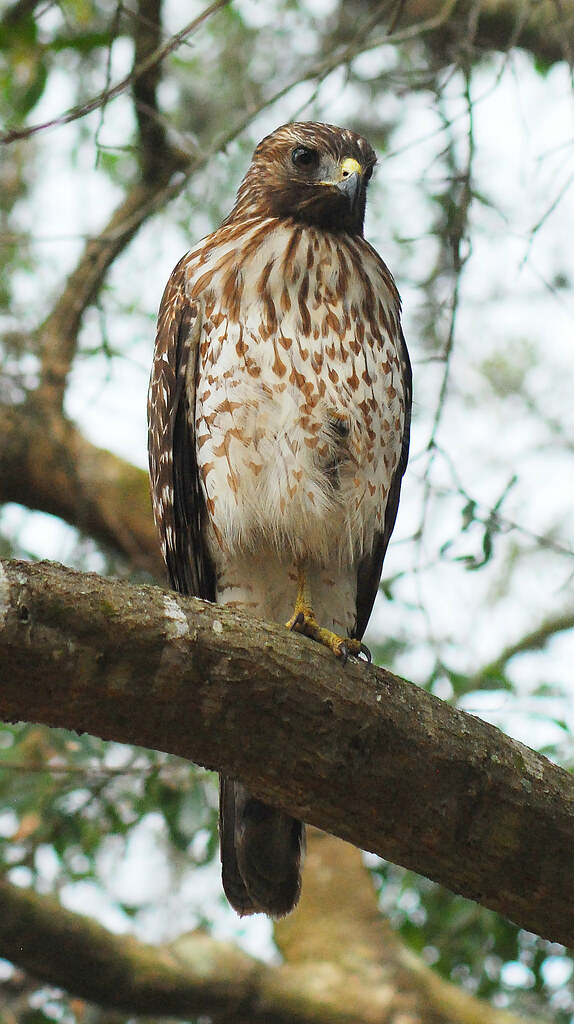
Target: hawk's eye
<point>306,158</point>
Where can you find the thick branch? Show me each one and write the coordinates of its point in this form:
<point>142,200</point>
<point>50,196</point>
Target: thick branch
<point>63,948</point>
<point>153,146</point>
<point>343,964</point>
<point>48,465</point>
<point>354,750</point>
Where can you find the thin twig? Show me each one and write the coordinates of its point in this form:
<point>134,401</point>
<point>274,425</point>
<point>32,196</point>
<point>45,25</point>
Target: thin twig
<point>106,95</point>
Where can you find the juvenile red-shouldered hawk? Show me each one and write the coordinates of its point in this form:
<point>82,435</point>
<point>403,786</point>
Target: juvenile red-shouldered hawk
<point>279,414</point>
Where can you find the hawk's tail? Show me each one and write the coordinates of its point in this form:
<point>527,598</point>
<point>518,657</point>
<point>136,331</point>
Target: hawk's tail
<point>261,851</point>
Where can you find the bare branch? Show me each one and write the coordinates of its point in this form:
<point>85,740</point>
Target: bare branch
<point>354,750</point>
<point>336,935</point>
<point>536,640</point>
<point>59,333</point>
<point>153,143</point>
<point>48,465</point>
<point>155,58</point>
<point>63,948</point>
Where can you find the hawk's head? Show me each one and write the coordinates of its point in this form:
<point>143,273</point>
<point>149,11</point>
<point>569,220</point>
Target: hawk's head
<point>315,173</point>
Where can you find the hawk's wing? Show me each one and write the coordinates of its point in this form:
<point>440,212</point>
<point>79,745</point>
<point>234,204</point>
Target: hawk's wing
<point>371,565</point>
<point>177,497</point>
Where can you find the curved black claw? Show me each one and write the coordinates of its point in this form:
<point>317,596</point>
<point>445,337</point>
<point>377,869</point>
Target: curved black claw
<point>297,621</point>
<point>344,652</point>
<point>365,650</point>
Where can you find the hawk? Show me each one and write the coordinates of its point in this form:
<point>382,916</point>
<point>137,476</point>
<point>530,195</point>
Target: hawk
<point>279,415</point>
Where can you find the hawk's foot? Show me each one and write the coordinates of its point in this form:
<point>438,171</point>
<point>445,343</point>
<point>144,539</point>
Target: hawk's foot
<point>304,621</point>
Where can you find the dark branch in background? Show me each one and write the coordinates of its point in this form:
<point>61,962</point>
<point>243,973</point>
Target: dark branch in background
<point>152,141</point>
<point>48,465</point>
<point>17,12</point>
<point>545,32</point>
<point>336,936</point>
<point>63,948</point>
<point>59,334</point>
<point>493,673</point>
<point>104,97</point>
<point>354,750</point>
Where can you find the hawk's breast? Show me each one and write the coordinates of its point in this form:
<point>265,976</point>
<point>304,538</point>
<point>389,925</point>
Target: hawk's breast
<point>300,401</point>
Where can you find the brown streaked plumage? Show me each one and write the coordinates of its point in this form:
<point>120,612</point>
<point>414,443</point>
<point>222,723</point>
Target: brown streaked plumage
<point>279,415</point>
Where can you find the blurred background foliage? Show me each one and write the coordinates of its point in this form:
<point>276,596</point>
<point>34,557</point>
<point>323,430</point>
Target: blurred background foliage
<point>471,112</point>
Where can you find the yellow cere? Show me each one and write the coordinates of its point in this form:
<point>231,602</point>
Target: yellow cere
<point>350,166</point>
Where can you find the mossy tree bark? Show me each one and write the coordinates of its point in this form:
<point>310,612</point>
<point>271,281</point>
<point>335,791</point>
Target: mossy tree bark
<point>353,749</point>
<point>342,962</point>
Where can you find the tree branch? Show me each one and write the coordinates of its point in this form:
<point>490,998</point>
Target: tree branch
<point>47,464</point>
<point>66,949</point>
<point>536,640</point>
<point>59,333</point>
<point>159,161</point>
<point>342,963</point>
<point>155,58</point>
<point>544,29</point>
<point>153,145</point>
<point>354,750</point>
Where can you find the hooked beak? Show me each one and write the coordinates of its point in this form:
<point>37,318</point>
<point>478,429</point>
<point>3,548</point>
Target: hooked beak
<point>349,180</point>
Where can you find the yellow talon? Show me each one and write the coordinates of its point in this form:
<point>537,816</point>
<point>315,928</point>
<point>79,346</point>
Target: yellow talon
<point>303,621</point>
